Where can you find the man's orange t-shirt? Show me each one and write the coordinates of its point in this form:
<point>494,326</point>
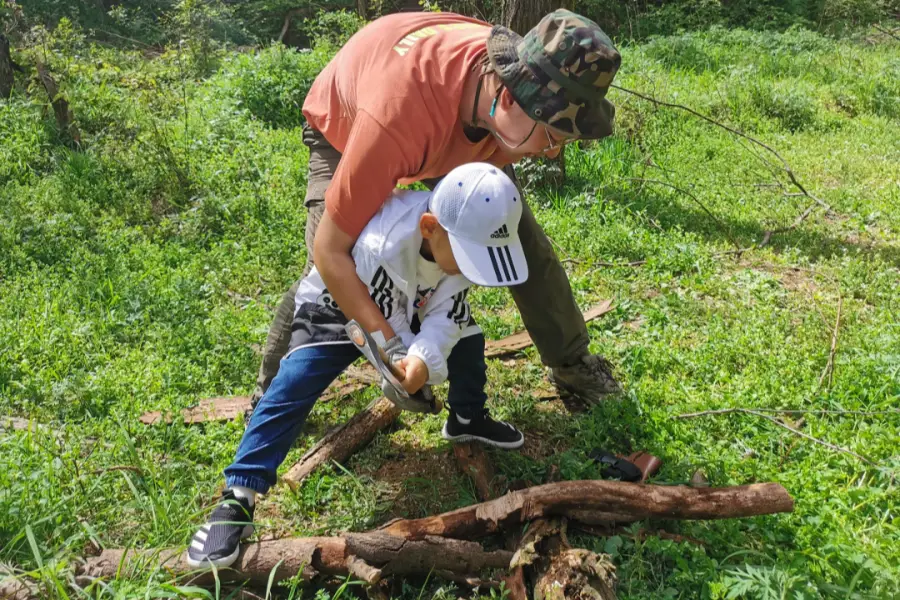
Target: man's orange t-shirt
<point>389,102</point>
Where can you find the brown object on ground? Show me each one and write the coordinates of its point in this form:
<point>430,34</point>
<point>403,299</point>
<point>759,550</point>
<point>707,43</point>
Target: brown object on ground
<point>65,118</point>
<point>7,77</point>
<point>369,556</point>
<point>647,463</point>
<point>17,424</point>
<point>341,442</point>
<point>474,462</point>
<point>581,499</point>
<point>17,589</point>
<point>520,341</point>
<point>225,408</point>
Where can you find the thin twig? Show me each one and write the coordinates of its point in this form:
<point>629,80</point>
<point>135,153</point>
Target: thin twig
<point>803,216</point>
<point>599,264</point>
<point>791,411</point>
<point>829,366</point>
<point>783,426</point>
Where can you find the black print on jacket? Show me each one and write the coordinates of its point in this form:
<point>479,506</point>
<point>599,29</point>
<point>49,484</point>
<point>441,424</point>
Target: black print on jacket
<point>382,292</point>
<point>460,312</point>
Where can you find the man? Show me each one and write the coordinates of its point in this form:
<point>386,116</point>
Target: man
<point>414,95</point>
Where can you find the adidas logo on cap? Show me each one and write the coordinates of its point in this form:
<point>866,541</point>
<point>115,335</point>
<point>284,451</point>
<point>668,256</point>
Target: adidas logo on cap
<point>503,232</point>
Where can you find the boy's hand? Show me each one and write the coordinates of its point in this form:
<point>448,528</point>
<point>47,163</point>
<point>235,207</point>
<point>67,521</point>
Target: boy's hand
<point>416,373</point>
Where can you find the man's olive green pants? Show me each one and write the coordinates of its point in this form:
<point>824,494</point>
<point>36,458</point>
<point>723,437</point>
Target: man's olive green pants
<point>545,301</point>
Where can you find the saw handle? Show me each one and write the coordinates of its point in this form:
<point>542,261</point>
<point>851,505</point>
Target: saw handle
<point>395,371</point>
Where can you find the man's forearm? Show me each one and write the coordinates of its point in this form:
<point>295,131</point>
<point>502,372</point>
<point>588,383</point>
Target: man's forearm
<point>335,263</point>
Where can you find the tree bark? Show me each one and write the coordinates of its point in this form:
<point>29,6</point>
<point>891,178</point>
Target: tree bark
<point>7,77</point>
<point>341,443</point>
<point>368,556</point>
<point>598,501</point>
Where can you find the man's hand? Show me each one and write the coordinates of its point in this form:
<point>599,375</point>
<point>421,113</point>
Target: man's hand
<point>415,373</point>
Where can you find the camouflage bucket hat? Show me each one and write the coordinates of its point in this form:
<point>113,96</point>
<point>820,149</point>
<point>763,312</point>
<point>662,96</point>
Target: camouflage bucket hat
<point>559,72</point>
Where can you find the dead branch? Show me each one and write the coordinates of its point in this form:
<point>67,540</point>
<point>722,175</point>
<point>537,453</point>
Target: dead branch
<point>18,424</point>
<point>828,371</point>
<point>784,426</point>
<point>593,501</point>
<point>340,443</point>
<point>791,411</point>
<point>785,166</point>
<point>886,32</point>
<point>367,555</point>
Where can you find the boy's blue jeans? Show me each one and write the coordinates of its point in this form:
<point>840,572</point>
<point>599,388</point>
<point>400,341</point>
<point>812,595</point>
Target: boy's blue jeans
<point>304,374</point>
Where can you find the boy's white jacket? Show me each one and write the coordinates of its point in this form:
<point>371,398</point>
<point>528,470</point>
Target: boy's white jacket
<point>386,254</point>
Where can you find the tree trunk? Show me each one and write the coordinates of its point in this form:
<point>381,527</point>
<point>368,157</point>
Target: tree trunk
<point>65,118</point>
<point>522,15</point>
<point>6,69</point>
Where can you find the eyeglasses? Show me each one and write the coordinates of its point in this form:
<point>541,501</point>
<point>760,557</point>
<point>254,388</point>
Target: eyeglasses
<point>554,144</point>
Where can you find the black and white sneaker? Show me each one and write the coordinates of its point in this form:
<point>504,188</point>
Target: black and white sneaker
<point>482,428</point>
<point>218,542</point>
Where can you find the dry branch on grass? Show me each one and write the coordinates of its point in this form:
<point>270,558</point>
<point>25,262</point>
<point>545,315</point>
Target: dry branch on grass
<point>342,442</point>
<point>596,502</point>
<point>828,371</point>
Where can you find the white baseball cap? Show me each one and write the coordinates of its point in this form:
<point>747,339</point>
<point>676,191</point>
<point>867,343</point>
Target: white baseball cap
<point>480,208</point>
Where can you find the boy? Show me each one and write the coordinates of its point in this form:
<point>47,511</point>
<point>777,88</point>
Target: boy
<point>419,254</point>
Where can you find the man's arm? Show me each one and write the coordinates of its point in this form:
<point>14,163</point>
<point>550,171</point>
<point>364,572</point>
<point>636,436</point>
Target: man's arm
<point>370,167</point>
<point>332,255</point>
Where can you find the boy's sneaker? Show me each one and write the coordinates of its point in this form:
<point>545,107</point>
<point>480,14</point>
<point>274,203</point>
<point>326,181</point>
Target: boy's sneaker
<point>483,428</point>
<point>218,542</point>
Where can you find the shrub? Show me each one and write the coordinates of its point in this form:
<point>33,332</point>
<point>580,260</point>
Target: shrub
<point>273,83</point>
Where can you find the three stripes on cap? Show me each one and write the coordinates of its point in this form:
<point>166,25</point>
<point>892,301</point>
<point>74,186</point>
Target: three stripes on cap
<point>497,255</point>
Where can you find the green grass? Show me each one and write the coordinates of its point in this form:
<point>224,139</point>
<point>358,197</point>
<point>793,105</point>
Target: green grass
<point>140,273</point>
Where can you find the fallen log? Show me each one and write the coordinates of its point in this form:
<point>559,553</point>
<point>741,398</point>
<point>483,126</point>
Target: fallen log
<point>341,442</point>
<point>596,501</point>
<point>368,556</point>
<point>227,408</point>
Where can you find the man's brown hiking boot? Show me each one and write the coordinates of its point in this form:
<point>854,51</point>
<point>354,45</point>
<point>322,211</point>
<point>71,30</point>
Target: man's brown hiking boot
<point>590,379</point>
